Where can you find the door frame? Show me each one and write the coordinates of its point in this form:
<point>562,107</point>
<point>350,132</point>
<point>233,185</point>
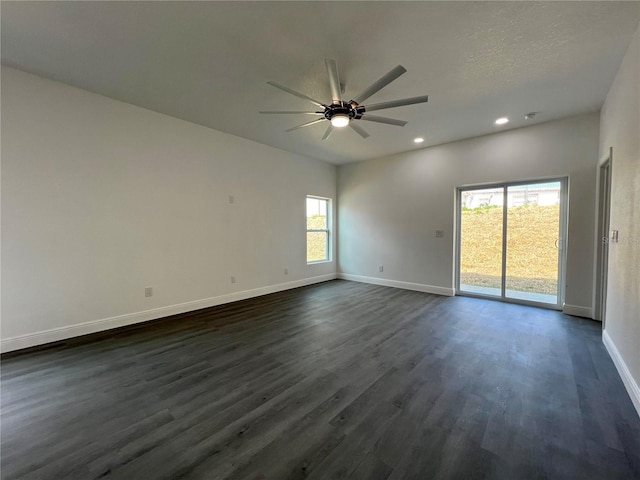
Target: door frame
<point>562,232</point>
<point>603,216</point>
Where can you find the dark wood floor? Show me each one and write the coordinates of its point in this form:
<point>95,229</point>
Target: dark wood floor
<point>340,381</point>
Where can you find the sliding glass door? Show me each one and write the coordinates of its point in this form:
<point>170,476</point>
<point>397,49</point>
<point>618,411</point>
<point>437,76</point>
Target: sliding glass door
<point>510,241</point>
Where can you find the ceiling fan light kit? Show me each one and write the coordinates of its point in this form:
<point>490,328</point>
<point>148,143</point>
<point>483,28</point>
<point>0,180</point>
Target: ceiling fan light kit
<point>340,120</point>
<point>340,113</point>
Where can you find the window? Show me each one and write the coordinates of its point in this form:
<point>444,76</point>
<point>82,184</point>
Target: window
<point>318,229</point>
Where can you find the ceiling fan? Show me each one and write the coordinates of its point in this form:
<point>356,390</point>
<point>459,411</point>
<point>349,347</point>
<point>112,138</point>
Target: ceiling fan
<point>341,113</point>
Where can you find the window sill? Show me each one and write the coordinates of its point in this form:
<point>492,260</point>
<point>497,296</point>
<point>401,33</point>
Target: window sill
<point>319,261</point>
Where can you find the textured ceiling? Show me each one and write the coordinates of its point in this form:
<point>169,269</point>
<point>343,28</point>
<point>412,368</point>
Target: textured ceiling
<point>208,62</point>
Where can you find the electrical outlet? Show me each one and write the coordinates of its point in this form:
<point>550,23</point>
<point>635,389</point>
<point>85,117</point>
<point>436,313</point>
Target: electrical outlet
<point>286,271</point>
<point>232,199</point>
<point>148,292</point>
<point>439,233</point>
<point>381,268</point>
<point>233,279</point>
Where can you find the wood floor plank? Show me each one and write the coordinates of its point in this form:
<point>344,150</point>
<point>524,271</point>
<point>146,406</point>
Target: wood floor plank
<point>335,380</point>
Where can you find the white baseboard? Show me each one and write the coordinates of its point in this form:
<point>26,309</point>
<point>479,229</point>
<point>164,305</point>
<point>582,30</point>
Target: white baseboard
<point>578,311</point>
<point>419,287</point>
<point>94,326</point>
<point>630,384</point>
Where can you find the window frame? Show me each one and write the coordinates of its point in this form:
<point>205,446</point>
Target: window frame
<point>326,231</point>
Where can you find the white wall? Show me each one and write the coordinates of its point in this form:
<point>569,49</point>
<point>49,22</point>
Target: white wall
<point>391,207</point>
<point>101,199</point>
<point>620,129</point>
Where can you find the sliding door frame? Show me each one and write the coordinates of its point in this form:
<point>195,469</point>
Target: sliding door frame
<point>562,242</point>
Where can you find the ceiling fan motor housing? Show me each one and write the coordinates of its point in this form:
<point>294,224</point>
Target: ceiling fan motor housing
<point>352,110</point>
<point>332,110</point>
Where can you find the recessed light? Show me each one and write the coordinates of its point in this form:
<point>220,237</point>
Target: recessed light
<point>418,140</point>
<point>502,121</point>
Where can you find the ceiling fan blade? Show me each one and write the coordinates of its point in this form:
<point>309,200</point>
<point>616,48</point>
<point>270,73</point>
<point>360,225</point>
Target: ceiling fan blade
<point>380,84</point>
<point>334,81</point>
<point>291,111</point>
<point>396,103</point>
<point>312,122</point>
<point>297,94</point>
<point>361,131</point>
<point>388,121</point>
<point>328,132</point>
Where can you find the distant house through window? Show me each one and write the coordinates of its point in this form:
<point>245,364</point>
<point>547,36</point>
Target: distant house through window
<point>318,238</point>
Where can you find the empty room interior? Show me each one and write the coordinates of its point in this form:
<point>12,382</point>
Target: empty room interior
<point>323,240</point>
